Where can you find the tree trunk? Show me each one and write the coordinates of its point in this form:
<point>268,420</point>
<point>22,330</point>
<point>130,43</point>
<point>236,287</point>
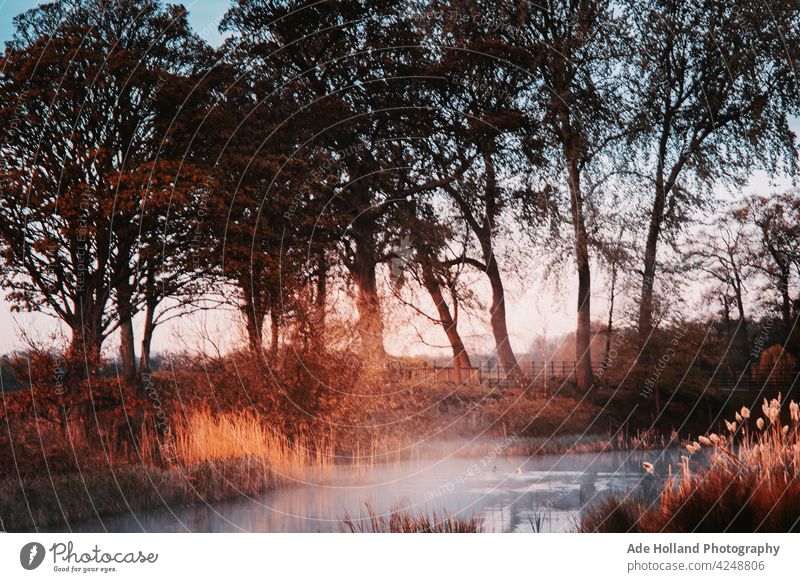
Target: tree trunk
<point>83,357</point>
<point>449,324</point>
<point>782,279</point>
<point>583,334</point>
<point>126,349</point>
<point>322,293</point>
<point>730,360</point>
<point>83,354</point>
<point>498,320</point>
<point>649,271</point>
<point>609,325</point>
<point>274,329</point>
<point>147,338</point>
<point>786,301</point>
<point>370,320</point>
<point>497,317</point>
<point>726,316</point>
<point>254,316</point>
<point>741,329</point>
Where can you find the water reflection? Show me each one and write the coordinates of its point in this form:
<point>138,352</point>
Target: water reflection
<point>515,494</point>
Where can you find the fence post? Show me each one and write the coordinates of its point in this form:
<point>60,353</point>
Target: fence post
<point>544,378</point>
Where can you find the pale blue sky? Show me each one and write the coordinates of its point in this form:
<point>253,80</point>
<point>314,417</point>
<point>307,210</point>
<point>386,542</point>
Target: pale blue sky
<point>204,15</point>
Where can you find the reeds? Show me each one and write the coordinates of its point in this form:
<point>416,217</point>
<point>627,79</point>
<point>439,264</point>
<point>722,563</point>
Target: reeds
<point>205,437</point>
<point>399,520</point>
<point>201,458</point>
<point>751,483</point>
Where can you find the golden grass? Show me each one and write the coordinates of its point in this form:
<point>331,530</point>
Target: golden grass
<point>202,458</point>
<point>750,484</point>
<point>407,521</point>
<point>206,437</point>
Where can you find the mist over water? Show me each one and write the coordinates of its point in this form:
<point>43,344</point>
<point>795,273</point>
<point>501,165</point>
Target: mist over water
<point>512,494</point>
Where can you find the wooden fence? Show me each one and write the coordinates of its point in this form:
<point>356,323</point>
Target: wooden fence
<point>547,375</point>
<point>786,381</point>
<point>490,373</point>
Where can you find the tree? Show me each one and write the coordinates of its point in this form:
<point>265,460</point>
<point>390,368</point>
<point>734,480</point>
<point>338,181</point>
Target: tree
<point>723,254</point>
<point>261,253</point>
<point>87,97</point>
<point>434,267</point>
<point>616,256</point>
<point>572,49</point>
<point>483,138</point>
<point>710,84</point>
<point>349,70</point>
<point>776,220</point>
<point>170,270</point>
<point>163,181</point>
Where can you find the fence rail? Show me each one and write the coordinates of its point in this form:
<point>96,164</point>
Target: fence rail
<point>491,373</point>
<point>782,380</point>
<point>548,374</point>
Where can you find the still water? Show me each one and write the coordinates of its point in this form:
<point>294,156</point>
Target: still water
<point>512,494</point>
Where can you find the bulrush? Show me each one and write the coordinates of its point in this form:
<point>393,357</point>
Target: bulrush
<point>794,412</point>
<point>747,483</point>
<point>771,409</point>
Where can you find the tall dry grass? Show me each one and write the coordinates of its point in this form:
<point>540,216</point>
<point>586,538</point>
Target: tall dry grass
<point>200,458</point>
<point>751,482</point>
<point>407,521</point>
<point>202,436</point>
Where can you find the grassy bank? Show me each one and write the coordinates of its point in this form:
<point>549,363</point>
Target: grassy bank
<point>201,458</point>
<point>751,483</point>
<point>72,498</point>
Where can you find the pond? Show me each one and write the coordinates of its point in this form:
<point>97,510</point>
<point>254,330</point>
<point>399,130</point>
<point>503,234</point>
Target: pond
<point>544,493</point>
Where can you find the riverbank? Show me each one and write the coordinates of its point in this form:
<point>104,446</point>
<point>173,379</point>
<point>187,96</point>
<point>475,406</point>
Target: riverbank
<point>63,500</point>
<point>201,458</point>
<point>751,482</point>
<point>60,500</point>
<point>194,444</point>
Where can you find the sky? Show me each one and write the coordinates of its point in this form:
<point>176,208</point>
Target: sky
<point>532,309</point>
<point>204,16</point>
